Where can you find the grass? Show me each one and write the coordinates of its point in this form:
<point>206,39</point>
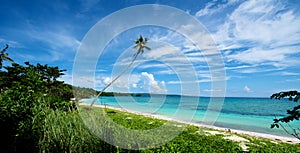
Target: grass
<point>82,131</point>
<point>66,132</point>
<point>265,145</point>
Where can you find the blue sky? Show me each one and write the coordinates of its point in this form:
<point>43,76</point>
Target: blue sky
<point>259,42</point>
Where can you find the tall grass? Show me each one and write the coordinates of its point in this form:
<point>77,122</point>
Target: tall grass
<point>65,132</point>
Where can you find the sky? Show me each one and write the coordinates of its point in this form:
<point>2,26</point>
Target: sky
<point>257,42</point>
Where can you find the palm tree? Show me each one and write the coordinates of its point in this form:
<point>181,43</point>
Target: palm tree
<point>4,56</point>
<point>141,45</point>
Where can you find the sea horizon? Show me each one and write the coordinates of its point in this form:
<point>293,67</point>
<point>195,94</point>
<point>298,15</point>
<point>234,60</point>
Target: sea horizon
<point>157,94</point>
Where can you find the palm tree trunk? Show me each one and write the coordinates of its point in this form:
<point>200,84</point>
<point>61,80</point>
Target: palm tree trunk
<point>115,79</point>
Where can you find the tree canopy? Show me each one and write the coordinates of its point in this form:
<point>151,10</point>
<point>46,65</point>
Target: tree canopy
<point>292,114</point>
<point>25,91</point>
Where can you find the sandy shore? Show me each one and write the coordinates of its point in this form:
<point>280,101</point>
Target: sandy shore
<point>249,133</point>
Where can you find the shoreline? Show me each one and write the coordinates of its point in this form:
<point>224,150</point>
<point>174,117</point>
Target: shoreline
<point>233,131</point>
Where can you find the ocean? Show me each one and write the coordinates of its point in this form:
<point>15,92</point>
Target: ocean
<point>248,114</point>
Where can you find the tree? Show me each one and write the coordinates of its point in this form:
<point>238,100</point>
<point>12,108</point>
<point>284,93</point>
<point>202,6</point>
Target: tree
<point>4,56</point>
<point>28,92</point>
<point>141,45</point>
<point>293,114</point>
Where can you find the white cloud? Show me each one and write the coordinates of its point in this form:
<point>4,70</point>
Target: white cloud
<point>263,21</point>
<point>284,73</point>
<point>156,65</point>
<point>247,89</point>
<point>266,30</point>
<point>56,39</point>
<point>152,85</point>
<point>134,85</point>
<point>161,52</point>
<point>82,81</point>
<point>213,7</point>
<point>258,55</point>
<point>238,67</point>
<point>292,80</point>
<point>106,80</point>
<point>58,43</point>
<point>188,82</point>
<point>11,43</point>
<point>67,78</point>
<point>290,73</point>
<point>99,82</point>
<point>206,10</point>
<point>211,90</point>
<point>143,82</point>
<point>254,68</point>
<point>206,80</point>
<point>123,83</point>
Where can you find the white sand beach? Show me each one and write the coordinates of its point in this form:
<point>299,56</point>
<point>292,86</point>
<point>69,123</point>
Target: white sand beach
<point>274,138</point>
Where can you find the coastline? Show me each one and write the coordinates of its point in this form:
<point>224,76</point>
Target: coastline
<point>233,131</point>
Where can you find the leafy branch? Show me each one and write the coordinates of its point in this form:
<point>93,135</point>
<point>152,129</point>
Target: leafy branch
<point>293,114</point>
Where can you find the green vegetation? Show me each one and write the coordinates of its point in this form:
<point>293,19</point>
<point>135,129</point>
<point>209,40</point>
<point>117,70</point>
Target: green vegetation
<point>36,115</point>
<point>292,115</point>
<point>195,139</point>
<point>190,140</point>
<point>80,92</point>
<point>26,93</point>
<point>66,132</point>
<point>265,145</point>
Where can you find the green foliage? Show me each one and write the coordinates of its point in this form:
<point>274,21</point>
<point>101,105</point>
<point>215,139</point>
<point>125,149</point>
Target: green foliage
<point>22,116</point>
<point>292,115</point>
<point>187,141</point>
<point>38,78</point>
<point>66,132</point>
<point>191,139</point>
<point>131,121</point>
<point>25,92</point>
<point>292,95</point>
<point>81,92</point>
<point>29,94</point>
<point>265,145</point>
<point>4,56</point>
<point>36,116</point>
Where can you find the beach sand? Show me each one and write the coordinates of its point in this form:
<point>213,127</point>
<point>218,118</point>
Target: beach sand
<point>274,138</point>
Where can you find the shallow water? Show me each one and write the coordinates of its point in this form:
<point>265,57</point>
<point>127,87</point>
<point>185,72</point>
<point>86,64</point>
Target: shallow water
<point>249,114</point>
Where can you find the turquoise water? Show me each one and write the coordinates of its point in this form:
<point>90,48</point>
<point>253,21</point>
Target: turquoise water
<point>249,114</point>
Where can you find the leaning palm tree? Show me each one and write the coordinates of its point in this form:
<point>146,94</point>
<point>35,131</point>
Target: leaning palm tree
<point>141,45</point>
<point>4,56</point>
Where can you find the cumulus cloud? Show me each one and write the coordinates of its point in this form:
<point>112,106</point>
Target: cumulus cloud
<point>247,89</point>
<point>152,85</point>
<point>134,85</point>
<point>124,83</point>
<point>144,82</point>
